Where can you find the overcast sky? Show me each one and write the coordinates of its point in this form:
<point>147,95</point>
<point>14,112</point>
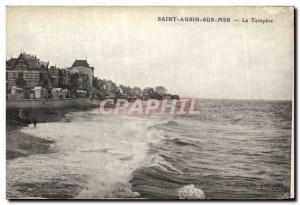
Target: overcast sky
<point>193,59</point>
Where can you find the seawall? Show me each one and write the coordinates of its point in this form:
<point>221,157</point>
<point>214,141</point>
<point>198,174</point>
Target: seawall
<point>51,103</point>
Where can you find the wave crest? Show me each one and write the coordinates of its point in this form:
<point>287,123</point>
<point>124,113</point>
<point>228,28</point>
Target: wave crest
<point>190,192</point>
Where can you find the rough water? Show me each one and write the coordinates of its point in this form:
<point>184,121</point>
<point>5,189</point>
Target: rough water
<point>232,150</point>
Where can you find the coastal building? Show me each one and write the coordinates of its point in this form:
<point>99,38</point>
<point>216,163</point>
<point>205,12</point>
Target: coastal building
<point>54,76</point>
<point>110,87</point>
<point>39,92</point>
<point>122,89</point>
<point>60,78</point>
<point>127,91</point>
<point>26,72</point>
<point>65,76</point>
<point>85,74</point>
<point>61,82</point>
<point>18,93</point>
<point>56,93</point>
<point>29,77</point>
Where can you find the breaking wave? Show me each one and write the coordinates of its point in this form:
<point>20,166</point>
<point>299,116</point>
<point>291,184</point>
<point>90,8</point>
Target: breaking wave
<point>171,123</point>
<point>181,142</point>
<point>161,157</point>
<point>158,161</point>
<point>104,154</point>
<point>190,192</point>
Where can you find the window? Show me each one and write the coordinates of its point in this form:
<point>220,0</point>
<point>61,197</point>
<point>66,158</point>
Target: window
<point>20,75</point>
<point>41,77</point>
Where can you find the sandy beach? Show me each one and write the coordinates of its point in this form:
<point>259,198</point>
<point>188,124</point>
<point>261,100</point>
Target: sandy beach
<point>19,144</point>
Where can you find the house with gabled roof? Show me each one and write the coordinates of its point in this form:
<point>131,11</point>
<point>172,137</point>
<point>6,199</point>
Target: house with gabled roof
<point>26,72</point>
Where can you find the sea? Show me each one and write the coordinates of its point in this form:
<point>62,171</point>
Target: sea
<point>233,149</point>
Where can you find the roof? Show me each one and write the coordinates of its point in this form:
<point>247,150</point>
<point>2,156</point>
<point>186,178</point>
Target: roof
<point>43,63</point>
<point>26,56</point>
<point>82,63</point>
<point>11,62</point>
<point>53,71</point>
<point>36,64</point>
<point>32,62</point>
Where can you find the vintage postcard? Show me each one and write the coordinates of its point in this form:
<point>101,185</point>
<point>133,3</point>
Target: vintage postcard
<point>150,103</point>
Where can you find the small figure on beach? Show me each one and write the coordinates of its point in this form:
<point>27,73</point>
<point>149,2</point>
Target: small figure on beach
<point>20,115</point>
<point>34,121</point>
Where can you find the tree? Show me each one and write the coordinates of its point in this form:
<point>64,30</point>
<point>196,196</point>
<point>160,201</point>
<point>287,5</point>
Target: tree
<point>161,90</point>
<point>175,97</point>
<point>149,93</point>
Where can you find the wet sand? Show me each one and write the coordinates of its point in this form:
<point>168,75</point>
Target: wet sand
<point>19,144</point>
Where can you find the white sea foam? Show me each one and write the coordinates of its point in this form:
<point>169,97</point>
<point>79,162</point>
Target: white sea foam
<point>124,143</point>
<point>158,161</point>
<point>190,192</point>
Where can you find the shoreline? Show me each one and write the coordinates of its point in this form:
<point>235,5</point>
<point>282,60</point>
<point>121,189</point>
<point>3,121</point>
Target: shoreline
<point>19,144</point>
<point>50,103</point>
